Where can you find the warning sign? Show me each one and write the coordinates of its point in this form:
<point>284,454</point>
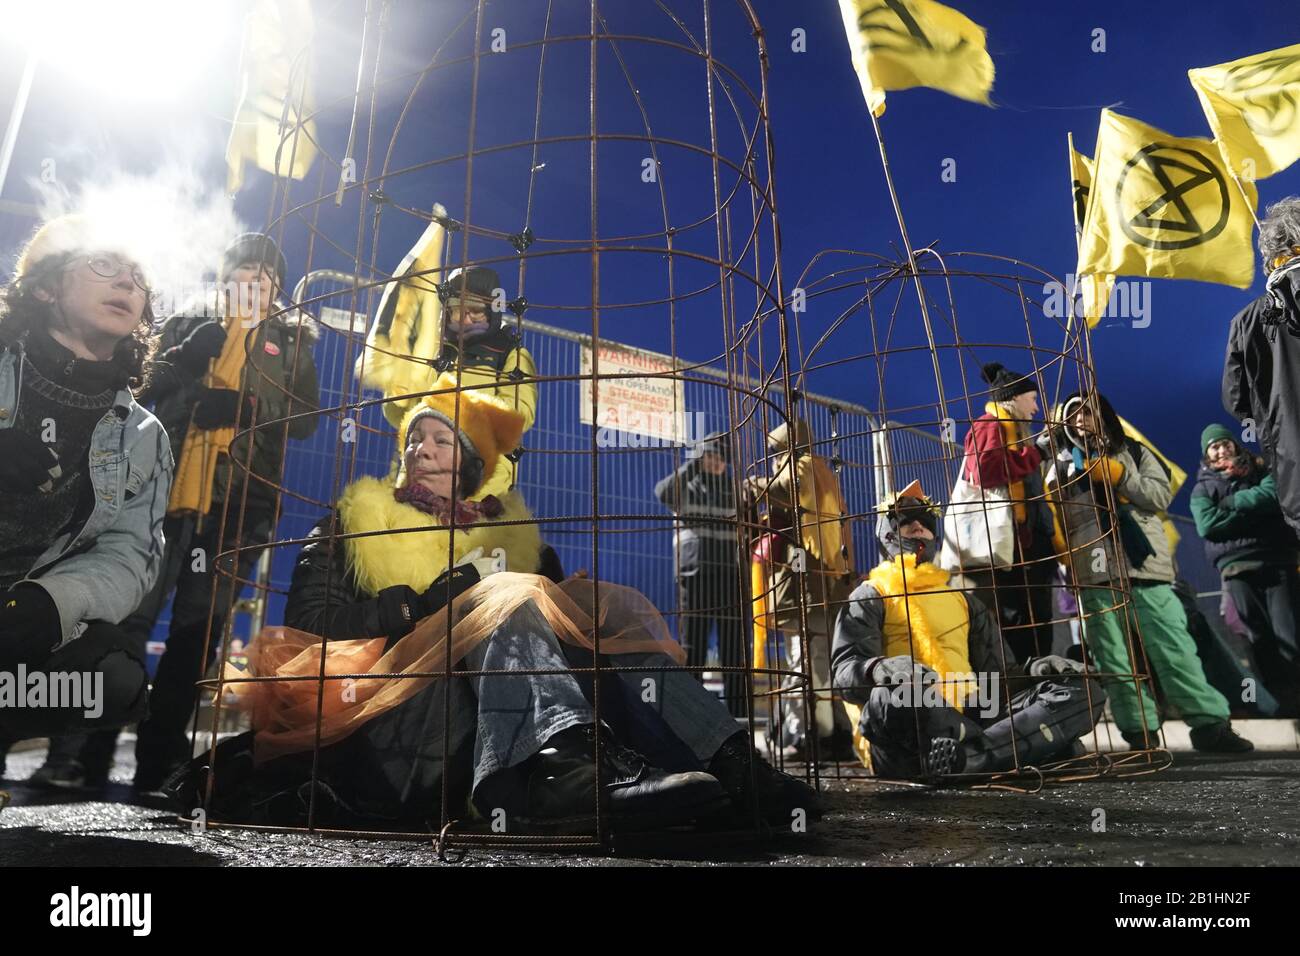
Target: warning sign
<point>655,407</point>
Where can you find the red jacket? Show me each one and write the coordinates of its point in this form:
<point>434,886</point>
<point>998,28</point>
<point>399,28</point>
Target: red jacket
<point>989,463</point>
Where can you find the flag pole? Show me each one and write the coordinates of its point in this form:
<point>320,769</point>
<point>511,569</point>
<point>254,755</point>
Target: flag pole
<point>912,264</point>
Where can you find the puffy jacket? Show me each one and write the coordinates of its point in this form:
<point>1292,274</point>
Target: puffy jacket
<point>279,374</point>
<point>1143,483</point>
<point>103,570</point>
<point>1240,519</point>
<point>1261,381</point>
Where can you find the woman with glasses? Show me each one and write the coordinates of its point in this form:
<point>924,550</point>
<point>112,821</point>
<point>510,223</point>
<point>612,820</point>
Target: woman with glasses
<point>230,361</point>
<point>84,476</point>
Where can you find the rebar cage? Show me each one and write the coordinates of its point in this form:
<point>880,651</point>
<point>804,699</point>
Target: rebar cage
<point>617,171</point>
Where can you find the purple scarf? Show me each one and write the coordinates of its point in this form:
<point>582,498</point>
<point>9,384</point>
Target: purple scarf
<point>466,512</point>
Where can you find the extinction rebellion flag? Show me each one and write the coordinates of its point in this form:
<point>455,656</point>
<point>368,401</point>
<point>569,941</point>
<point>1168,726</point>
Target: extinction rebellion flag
<point>899,44</point>
<point>1094,288</point>
<point>1165,207</point>
<point>1253,107</point>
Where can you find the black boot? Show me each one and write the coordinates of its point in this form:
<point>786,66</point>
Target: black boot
<point>778,795</point>
<point>560,789</point>
<point>64,768</point>
<point>1219,738</point>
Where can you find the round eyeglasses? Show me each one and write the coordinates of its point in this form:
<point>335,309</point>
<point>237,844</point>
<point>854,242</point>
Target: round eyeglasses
<point>108,266</point>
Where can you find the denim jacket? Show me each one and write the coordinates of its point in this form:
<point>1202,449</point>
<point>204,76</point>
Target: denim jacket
<point>104,569</point>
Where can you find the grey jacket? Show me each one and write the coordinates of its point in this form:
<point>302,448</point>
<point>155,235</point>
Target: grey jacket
<point>104,570</point>
<point>1093,560</point>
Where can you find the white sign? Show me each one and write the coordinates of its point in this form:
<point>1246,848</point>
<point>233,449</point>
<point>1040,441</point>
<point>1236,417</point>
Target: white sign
<point>655,407</point>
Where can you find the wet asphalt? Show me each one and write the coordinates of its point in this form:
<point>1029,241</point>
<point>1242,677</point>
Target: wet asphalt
<point>1201,811</point>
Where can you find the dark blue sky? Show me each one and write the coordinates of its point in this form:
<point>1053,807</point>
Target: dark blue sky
<point>1011,194</point>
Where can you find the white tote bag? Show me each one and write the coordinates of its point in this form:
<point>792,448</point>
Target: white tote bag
<point>979,529</point>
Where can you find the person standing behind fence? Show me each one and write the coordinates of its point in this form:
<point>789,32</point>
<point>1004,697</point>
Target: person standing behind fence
<point>701,493</point>
<point>1238,514</point>
<point>1000,456</point>
<point>1109,548</point>
<point>823,559</point>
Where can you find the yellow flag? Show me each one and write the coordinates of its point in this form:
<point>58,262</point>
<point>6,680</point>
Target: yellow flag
<point>1165,206</point>
<point>899,44</point>
<point>1095,289</point>
<point>1253,106</point>
<point>274,83</point>
<point>1177,476</point>
<point>406,336</point>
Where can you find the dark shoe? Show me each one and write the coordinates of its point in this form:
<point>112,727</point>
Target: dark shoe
<point>76,762</point>
<point>1220,739</point>
<point>1137,741</point>
<point>66,774</point>
<point>946,756</point>
<point>778,795</point>
<point>562,785</point>
<point>149,778</point>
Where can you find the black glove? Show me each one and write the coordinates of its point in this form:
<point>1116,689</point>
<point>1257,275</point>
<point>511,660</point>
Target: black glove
<point>26,463</point>
<point>217,408</point>
<point>199,348</point>
<point>29,625</point>
<point>1227,502</point>
<point>1051,666</point>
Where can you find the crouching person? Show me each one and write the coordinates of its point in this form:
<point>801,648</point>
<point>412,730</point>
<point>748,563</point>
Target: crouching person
<point>923,669</point>
<point>84,478</point>
<point>511,729</point>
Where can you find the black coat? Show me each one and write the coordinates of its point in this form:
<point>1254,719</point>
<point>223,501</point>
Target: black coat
<point>280,375</point>
<point>393,770</point>
<point>1261,381</point>
<point>324,598</point>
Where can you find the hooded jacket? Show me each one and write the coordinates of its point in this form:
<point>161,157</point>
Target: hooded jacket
<point>1261,381</point>
<point>1091,552</point>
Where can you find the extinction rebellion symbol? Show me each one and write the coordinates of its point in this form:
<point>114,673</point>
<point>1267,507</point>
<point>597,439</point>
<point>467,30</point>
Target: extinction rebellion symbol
<point>1265,87</point>
<point>1165,220</point>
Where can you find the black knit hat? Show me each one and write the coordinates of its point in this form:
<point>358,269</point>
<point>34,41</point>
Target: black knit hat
<point>1005,383</point>
<point>479,281</point>
<point>254,247</point>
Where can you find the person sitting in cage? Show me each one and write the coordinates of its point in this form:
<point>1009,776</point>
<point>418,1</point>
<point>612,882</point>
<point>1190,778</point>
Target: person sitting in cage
<point>427,333</point>
<point>927,677</point>
<point>999,455</point>
<point>224,363</point>
<point>410,574</point>
<point>84,477</point>
<point>1109,552</point>
<point>821,564</point>
<point>707,554</point>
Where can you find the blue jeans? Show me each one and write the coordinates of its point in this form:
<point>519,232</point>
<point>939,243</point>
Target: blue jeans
<point>665,714</point>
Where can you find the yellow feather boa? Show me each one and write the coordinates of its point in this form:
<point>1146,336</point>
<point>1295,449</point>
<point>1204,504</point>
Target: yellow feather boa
<point>420,554</point>
<point>891,579</point>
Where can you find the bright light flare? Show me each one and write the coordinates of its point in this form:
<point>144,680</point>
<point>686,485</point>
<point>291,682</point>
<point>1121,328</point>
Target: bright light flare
<point>141,51</point>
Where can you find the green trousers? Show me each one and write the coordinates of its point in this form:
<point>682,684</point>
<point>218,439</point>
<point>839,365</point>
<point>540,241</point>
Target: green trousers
<point>1169,649</point>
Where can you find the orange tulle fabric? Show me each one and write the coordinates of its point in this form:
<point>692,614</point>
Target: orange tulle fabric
<point>367,681</point>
